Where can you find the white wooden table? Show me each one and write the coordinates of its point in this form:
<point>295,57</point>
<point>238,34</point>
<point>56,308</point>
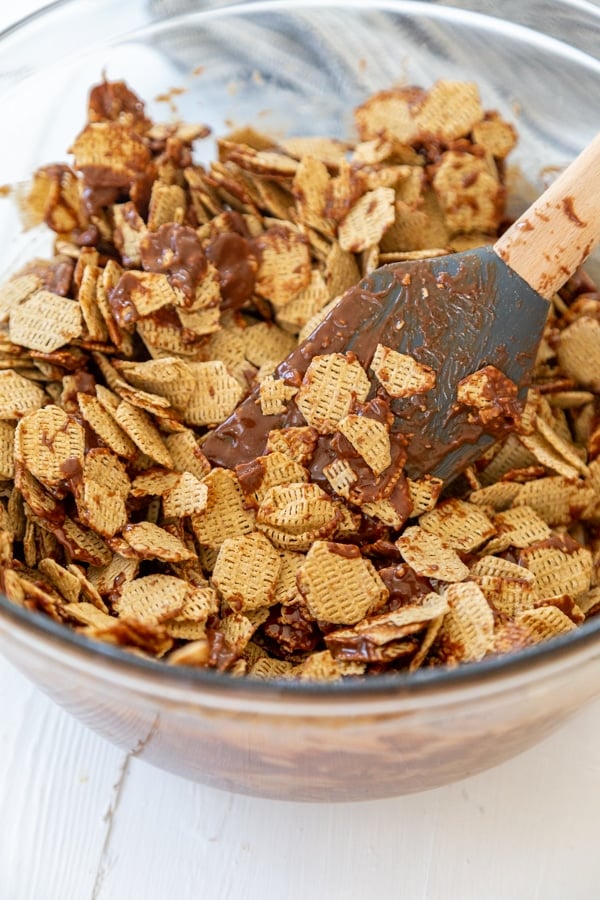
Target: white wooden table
<point>80,820</point>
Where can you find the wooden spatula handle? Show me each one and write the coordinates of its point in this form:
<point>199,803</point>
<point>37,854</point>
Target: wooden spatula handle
<point>554,236</point>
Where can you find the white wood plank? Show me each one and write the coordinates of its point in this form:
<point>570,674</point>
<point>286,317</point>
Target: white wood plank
<point>56,787</point>
<point>525,830</point>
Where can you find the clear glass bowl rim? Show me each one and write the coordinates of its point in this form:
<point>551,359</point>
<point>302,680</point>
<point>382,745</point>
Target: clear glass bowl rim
<point>37,626</point>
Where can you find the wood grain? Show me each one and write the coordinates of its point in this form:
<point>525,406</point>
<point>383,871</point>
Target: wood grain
<point>560,229</point>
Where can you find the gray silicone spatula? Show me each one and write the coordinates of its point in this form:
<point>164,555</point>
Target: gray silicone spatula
<point>456,314</point>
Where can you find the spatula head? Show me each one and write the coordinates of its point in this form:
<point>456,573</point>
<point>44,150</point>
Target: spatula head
<point>456,314</point>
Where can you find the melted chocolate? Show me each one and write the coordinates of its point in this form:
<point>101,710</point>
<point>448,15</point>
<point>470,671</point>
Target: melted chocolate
<point>231,254</point>
<point>119,298</point>
<point>439,314</point>
<point>289,631</point>
<point>250,475</point>
<point>175,250</point>
<point>404,585</point>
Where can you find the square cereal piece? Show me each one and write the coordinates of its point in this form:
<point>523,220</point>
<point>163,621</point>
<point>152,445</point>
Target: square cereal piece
<point>286,589</point>
<point>225,515</point>
<point>338,584</point>
<point>187,497</point>
<point>424,493</point>
<point>562,443</point>
<point>18,395</point>
<point>492,397</point>
<point>320,666</point>
<point>237,629</point>
<point>517,527</point>
<point>199,322</point>
<point>168,204</point>
<point>504,458</point>
<point>246,572</point>
<point>152,600</point>
<point>499,496</point>
<point>285,266</point>
<point>297,442</point>
<point>508,596</point>
<point>149,541</point>
<point>402,622</point>
<point>101,492</point>
<point>331,384</point>
<point>7,450</point>
<point>110,577</point>
<point>417,226</point>
<point>258,476</point>
<point>65,582</point>
<point>260,162</point>
<point>194,653</point>
<point>469,191</point>
<point>154,482</point>
<point>15,290</point>
<point>85,613</point>
<point>560,566</point>
<point>497,566</point>
<point>138,425</point>
<point>51,445</point>
<point>556,499</point>
<point>265,342</point>
<point>467,632</point>
<point>215,396</point>
<point>274,394</point>
<point>545,623</point>
<point>430,556</point>
<point>330,151</point>
<point>578,352</point>
<point>164,337</point>
<point>497,136</point>
<point>190,623</point>
<point>88,590</point>
<point>268,669</point>
<point>384,511</point>
<point>39,501</point>
<point>367,220</point>
<point>401,375</point>
<point>304,306</point>
<point>409,114</point>
<point>589,603</point>
<point>88,302</point>
<point>200,603</point>
<point>130,228</point>
<point>294,515</point>
<point>111,151</point>
<point>170,377</point>
<point>551,451</point>
<point>370,438</point>
<point>227,345</point>
<point>341,270</point>
<point>81,544</point>
<point>45,322</point>
<point>186,453</point>
<point>309,186</point>
<point>461,525</point>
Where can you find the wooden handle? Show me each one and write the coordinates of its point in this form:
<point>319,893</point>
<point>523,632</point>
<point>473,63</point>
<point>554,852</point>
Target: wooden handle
<point>554,236</point>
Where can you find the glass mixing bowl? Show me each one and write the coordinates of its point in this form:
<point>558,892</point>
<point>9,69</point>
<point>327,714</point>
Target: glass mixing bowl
<point>300,67</point>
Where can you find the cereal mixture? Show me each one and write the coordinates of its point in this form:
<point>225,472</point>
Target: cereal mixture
<point>174,292</point>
